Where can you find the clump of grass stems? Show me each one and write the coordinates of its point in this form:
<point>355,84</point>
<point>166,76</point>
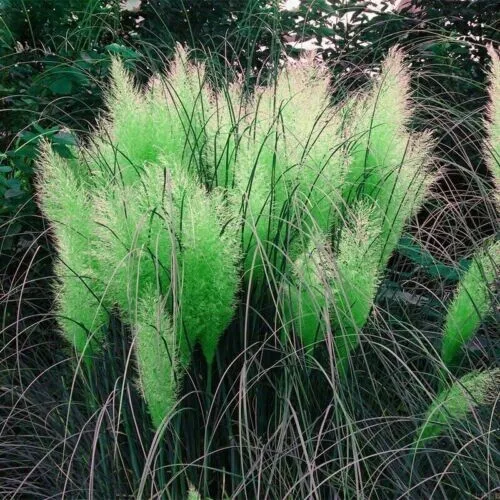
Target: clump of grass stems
<point>252,228</point>
<point>156,241</point>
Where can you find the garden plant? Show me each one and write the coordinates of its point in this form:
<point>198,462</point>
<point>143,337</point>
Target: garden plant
<point>251,295</point>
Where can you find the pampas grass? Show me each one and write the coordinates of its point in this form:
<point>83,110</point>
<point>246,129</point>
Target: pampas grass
<point>225,255</point>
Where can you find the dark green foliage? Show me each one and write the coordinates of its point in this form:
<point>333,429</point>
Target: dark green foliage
<point>195,22</point>
<point>25,22</point>
<point>53,63</point>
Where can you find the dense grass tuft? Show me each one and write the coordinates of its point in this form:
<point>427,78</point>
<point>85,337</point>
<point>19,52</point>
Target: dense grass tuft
<point>254,300</point>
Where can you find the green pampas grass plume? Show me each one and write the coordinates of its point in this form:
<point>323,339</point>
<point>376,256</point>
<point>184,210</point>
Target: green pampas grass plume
<point>288,167</point>
<point>139,233</point>
<point>193,494</point>
<point>309,297</point>
<point>492,144</point>
<point>164,121</point>
<point>65,202</point>
<point>135,241</point>
<point>453,404</point>
<point>377,129</point>
<point>472,301</point>
<point>155,348</point>
<point>387,165</point>
<point>383,172</point>
<point>208,269</point>
<point>336,291</point>
<point>313,143</point>
<point>357,279</point>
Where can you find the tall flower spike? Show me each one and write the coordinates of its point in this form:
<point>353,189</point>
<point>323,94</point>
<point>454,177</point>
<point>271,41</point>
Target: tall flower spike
<point>208,269</point>
<point>471,303</point>
<point>312,141</point>
<point>155,348</point>
<point>65,202</point>
<point>309,297</point>
<point>387,165</point>
<point>492,144</point>
<point>336,292</point>
<point>126,129</point>
<point>356,281</point>
<point>288,165</point>
<point>377,130</point>
<point>453,404</point>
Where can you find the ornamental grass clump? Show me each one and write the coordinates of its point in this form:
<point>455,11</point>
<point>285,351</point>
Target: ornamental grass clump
<point>281,162</point>
<point>140,233</point>
<point>385,179</point>
<point>179,181</point>
<point>193,215</point>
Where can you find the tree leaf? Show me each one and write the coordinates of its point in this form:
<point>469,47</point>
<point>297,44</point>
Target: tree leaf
<point>61,86</point>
